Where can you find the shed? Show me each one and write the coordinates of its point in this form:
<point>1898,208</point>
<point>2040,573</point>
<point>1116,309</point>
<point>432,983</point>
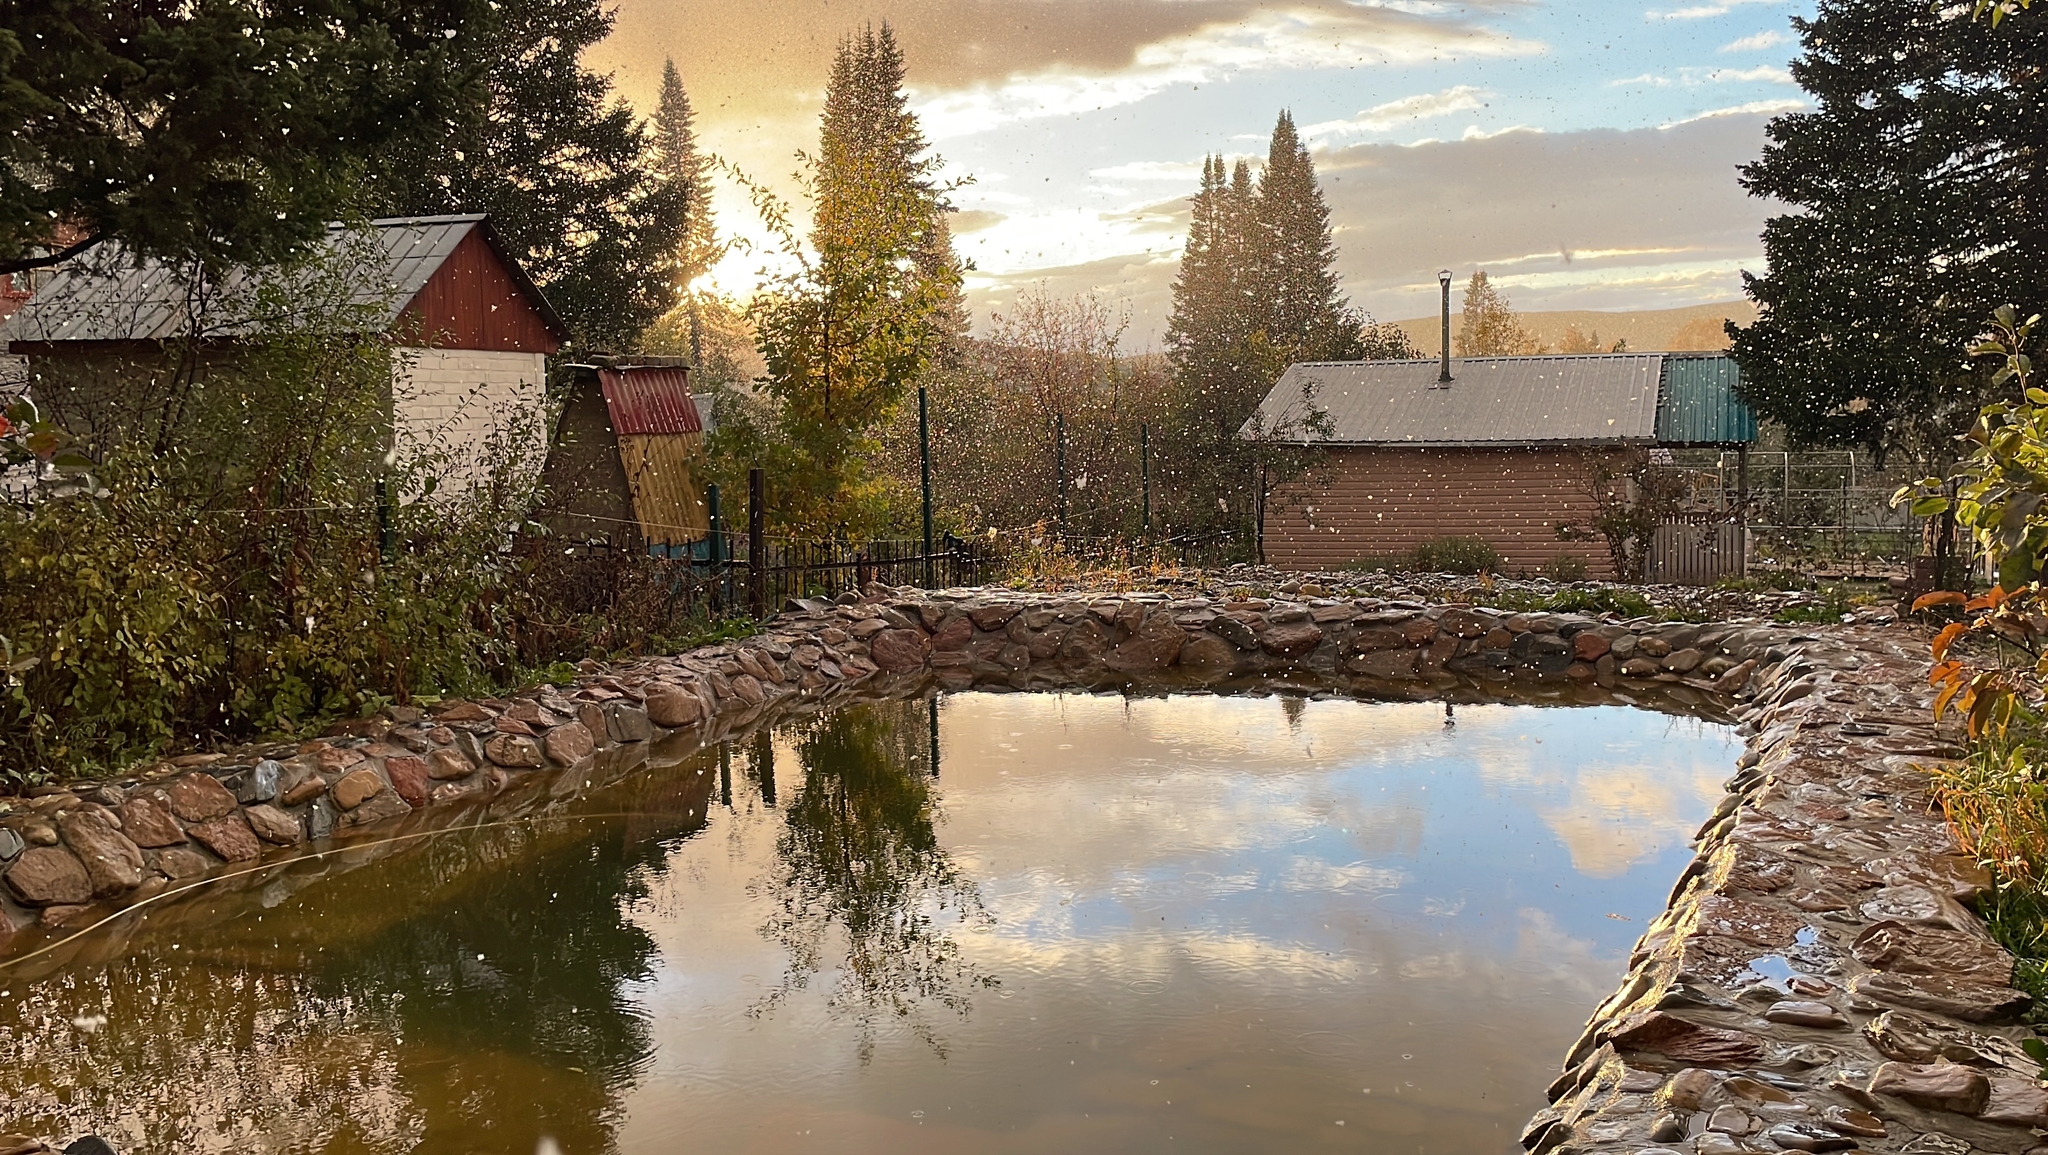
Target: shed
<point>470,331</point>
<point>1506,452</point>
<point>623,464</point>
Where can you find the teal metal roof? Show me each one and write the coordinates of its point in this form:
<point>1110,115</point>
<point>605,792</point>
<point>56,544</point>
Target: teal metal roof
<point>1697,405</point>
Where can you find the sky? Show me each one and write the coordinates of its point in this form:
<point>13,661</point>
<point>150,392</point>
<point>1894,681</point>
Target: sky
<point>1583,152</point>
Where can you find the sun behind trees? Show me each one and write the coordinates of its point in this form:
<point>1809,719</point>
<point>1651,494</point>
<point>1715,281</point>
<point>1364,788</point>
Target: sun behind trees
<point>872,304</point>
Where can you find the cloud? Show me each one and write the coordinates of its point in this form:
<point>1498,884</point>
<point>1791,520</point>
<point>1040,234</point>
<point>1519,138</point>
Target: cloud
<point>975,220</point>
<point>1297,39</point>
<point>1703,11</point>
<point>1694,77</point>
<point>1174,171</point>
<point>1407,110</point>
<point>1753,108</point>
<point>1757,42</point>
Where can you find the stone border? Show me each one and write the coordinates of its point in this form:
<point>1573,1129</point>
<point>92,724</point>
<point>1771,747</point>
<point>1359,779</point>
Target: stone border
<point>1825,897</point>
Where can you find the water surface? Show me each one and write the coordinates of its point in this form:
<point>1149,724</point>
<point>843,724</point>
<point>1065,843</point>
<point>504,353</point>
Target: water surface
<point>1003,923</point>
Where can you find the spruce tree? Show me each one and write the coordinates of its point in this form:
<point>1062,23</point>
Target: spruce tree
<point>684,167</point>
<point>1916,184</point>
<point>565,171</point>
<point>1303,310</point>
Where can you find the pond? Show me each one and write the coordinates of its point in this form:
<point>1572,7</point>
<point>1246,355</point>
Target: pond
<point>985,922</point>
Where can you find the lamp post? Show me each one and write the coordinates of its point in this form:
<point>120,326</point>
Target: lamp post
<point>1443,279</point>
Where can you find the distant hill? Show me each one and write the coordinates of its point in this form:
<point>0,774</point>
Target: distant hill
<point>1647,331</point>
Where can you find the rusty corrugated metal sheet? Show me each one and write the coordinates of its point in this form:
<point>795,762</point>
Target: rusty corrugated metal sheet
<point>1577,400</point>
<point>648,400</point>
<point>666,502</point>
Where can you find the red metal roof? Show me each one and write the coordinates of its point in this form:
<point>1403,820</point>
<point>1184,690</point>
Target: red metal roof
<point>645,399</point>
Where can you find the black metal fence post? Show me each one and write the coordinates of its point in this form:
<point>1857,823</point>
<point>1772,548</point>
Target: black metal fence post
<point>1145,474</point>
<point>757,543</point>
<point>924,454</point>
<point>1060,471</point>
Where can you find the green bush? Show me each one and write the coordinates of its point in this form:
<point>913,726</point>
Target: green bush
<point>1565,568</point>
<point>1456,555</point>
<point>1603,600</point>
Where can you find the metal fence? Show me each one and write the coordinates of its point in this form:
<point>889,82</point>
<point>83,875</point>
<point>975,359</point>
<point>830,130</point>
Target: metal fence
<point>1820,510</point>
<point>731,573</point>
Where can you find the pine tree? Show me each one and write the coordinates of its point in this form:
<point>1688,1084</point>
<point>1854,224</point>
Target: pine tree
<point>1304,311</point>
<point>676,154</point>
<point>1492,327</point>
<point>1257,291</point>
<point>1916,184</point>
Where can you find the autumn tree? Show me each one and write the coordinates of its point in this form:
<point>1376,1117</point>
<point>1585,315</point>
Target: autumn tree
<point>870,306</point>
<point>1492,327</point>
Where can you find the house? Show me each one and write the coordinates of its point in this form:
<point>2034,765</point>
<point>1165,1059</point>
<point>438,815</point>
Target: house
<point>624,462</point>
<point>1507,451</point>
<point>469,330</point>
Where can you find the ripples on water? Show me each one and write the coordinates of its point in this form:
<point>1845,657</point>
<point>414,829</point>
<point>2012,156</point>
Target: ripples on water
<point>1170,924</point>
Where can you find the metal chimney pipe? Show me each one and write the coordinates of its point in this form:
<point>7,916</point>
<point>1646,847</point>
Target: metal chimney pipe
<point>1443,279</point>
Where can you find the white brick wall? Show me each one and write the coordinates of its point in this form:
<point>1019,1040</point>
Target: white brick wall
<point>453,401</point>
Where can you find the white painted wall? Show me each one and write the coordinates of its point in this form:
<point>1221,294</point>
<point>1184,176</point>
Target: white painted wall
<point>453,401</point>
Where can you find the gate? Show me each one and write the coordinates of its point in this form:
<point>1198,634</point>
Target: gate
<point>1695,555</point>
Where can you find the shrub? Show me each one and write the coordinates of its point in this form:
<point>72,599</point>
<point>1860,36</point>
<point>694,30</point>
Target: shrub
<point>1603,600</point>
<point>1456,555</point>
<point>1565,568</point>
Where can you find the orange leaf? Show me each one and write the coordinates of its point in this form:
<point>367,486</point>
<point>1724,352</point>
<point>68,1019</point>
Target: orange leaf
<point>1937,598</point>
<point>1946,638</point>
<point>1945,672</point>
<point>1946,696</point>
<point>1990,600</point>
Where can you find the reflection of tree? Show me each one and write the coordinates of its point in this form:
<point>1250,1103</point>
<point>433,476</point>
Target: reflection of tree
<point>469,994</point>
<point>859,855</point>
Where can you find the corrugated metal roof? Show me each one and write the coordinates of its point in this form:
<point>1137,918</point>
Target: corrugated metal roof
<point>1491,401</point>
<point>107,296</point>
<point>1698,404</point>
<point>644,399</point>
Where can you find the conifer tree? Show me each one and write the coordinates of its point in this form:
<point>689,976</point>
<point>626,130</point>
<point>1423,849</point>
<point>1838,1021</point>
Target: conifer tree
<point>1257,291</point>
<point>1304,312</point>
<point>1916,188</point>
<point>564,170</point>
<point>675,152</point>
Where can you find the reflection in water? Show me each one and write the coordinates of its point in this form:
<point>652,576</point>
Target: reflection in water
<point>1220,924</point>
<point>859,867</point>
<point>468,996</point>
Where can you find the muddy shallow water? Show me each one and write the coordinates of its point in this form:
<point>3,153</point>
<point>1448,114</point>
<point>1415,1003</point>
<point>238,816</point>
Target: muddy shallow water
<point>1159,924</point>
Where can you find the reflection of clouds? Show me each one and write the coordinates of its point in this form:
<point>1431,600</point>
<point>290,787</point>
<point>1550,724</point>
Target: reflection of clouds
<point>1608,805</point>
<point>1619,815</point>
<point>1570,968</point>
<point>1315,874</point>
